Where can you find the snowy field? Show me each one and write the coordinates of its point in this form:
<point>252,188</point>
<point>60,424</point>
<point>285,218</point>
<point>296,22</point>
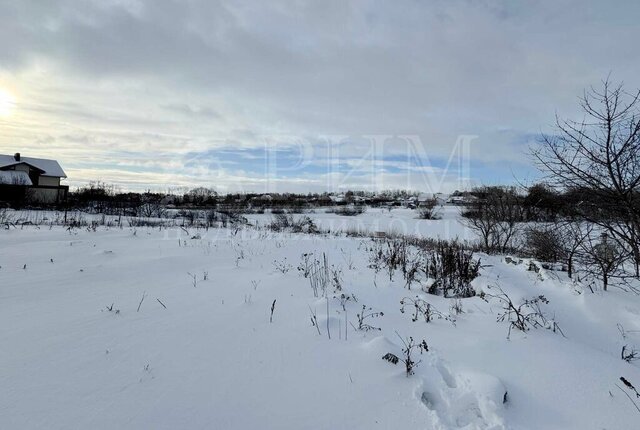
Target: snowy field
<point>168,329</point>
<point>398,220</point>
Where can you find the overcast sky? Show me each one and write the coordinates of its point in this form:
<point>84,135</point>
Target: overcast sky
<point>301,96</point>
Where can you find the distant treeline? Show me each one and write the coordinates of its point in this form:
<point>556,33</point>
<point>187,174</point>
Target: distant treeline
<point>105,198</point>
<point>535,203</point>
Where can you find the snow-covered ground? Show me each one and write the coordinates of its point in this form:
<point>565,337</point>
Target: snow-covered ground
<point>213,360</point>
<point>399,220</point>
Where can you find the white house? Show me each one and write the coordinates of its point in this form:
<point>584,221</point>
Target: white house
<point>31,179</point>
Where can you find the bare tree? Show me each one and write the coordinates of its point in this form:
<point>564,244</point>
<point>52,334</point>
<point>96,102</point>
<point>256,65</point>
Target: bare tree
<point>151,209</point>
<point>572,236</point>
<point>561,241</point>
<point>427,210</point>
<point>545,243</point>
<point>600,154</point>
<point>201,196</point>
<point>495,216</point>
<point>602,258</point>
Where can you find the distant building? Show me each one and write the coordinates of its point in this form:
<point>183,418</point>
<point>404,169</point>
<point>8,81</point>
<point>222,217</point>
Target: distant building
<point>31,180</point>
<point>462,199</point>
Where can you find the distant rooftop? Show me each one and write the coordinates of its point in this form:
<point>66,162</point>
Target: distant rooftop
<point>49,167</point>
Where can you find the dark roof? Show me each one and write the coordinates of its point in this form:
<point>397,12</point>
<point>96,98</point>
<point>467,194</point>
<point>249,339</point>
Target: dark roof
<point>47,167</point>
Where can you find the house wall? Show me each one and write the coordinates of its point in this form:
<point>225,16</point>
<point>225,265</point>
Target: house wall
<point>21,167</point>
<point>45,195</point>
<point>49,181</point>
<point>33,174</point>
<point>45,189</point>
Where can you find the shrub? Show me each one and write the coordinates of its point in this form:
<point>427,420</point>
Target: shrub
<point>190,217</point>
<point>231,217</point>
<point>453,268</point>
<point>448,266</point>
<point>367,314</point>
<point>388,254</point>
<point>422,309</point>
<point>350,210</point>
<point>407,354</point>
<point>427,210</point>
<point>303,224</point>
<point>528,314</point>
<point>151,210</point>
<point>544,244</point>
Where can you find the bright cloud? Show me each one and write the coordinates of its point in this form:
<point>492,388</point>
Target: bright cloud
<point>148,94</point>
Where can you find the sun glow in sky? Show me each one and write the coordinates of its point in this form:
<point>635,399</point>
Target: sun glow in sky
<point>7,103</point>
<point>285,96</point>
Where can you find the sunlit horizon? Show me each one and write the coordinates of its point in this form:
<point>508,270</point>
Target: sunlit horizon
<point>7,103</point>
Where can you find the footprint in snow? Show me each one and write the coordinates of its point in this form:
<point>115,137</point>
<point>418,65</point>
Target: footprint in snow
<point>463,400</point>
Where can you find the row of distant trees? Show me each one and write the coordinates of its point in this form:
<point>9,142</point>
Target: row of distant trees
<point>103,197</point>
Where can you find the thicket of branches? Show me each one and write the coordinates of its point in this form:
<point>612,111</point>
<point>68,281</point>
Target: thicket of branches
<point>597,159</point>
<point>587,211</point>
<point>495,216</point>
<point>440,267</point>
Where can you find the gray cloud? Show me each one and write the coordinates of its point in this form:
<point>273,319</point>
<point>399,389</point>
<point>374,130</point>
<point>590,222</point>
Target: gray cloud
<point>202,112</point>
<point>188,75</point>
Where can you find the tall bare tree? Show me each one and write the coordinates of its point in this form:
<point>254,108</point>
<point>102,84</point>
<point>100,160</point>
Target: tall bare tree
<point>600,154</point>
